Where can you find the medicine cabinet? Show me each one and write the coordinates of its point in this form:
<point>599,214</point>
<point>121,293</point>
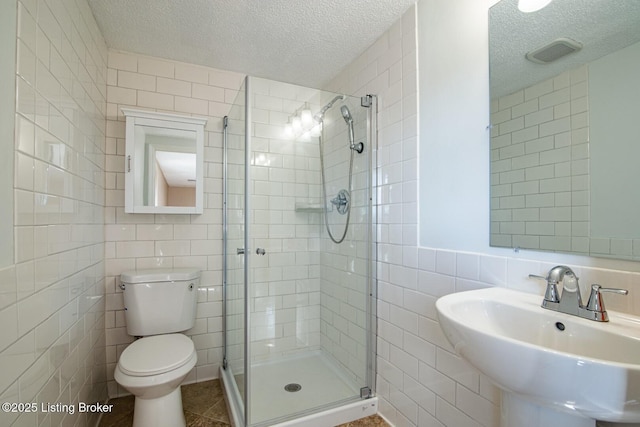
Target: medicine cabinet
<point>163,163</point>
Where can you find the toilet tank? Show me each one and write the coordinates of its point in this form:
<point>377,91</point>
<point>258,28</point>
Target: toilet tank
<point>160,301</point>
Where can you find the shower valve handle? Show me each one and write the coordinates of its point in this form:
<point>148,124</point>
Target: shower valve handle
<point>260,251</point>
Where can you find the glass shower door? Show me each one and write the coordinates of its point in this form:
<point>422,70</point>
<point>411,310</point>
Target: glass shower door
<point>309,299</point>
<point>299,306</point>
<point>234,270</point>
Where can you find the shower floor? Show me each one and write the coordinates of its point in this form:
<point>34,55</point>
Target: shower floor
<point>322,382</point>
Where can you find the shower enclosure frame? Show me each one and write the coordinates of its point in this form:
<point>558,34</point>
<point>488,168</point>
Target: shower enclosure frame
<point>366,392</point>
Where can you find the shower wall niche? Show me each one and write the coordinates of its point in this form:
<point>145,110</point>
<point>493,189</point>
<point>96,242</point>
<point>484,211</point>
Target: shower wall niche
<point>294,299</point>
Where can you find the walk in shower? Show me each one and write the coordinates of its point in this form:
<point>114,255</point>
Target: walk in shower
<point>299,255</point>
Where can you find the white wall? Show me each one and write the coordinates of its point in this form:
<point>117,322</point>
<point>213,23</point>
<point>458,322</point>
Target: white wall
<point>454,105</point>
<point>614,145</point>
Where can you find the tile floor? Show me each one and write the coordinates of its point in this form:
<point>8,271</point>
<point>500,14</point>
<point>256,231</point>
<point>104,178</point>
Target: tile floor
<point>204,406</point>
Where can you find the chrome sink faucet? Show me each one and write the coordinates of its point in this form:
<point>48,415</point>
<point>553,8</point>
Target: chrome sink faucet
<point>570,302</point>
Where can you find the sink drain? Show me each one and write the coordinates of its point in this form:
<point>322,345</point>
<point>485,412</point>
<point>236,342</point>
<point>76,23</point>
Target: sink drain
<point>293,387</point>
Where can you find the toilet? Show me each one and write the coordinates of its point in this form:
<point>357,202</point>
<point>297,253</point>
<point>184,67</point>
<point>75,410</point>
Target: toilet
<point>158,305</point>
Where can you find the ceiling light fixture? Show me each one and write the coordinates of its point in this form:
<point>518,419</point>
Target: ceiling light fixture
<point>288,130</point>
<point>528,6</point>
<point>296,123</point>
<point>306,117</point>
<point>301,125</point>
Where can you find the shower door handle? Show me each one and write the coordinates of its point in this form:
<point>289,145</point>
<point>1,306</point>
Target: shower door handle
<point>259,251</point>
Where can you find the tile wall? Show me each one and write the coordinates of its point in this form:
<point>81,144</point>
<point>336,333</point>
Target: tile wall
<point>52,306</point>
<point>285,308</point>
<point>406,321</point>
<point>420,379</point>
<point>137,241</point>
<point>344,285</point>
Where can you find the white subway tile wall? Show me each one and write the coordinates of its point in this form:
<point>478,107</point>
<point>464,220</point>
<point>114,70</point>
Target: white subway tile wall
<point>136,241</point>
<point>420,379</point>
<point>52,344</point>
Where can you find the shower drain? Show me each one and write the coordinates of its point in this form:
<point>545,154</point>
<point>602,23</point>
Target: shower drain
<point>293,387</point>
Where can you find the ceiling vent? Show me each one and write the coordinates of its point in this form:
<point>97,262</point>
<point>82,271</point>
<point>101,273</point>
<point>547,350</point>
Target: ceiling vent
<point>553,51</point>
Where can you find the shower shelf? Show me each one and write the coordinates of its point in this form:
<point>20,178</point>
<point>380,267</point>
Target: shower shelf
<point>309,207</point>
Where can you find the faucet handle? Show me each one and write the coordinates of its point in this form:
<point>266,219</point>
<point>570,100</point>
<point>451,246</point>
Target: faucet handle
<point>551,294</point>
<point>596,303</point>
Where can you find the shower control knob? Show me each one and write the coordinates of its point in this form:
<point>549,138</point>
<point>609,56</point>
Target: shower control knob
<point>260,251</point>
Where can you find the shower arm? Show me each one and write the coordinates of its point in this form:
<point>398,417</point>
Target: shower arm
<point>318,117</point>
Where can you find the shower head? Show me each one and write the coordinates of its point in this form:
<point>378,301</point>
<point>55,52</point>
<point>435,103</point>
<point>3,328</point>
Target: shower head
<point>346,115</point>
<point>320,115</point>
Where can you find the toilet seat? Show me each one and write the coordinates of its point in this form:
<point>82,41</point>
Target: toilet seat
<point>156,355</point>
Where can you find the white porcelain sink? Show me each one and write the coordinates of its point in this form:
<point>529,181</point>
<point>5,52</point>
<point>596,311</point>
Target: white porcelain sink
<point>589,369</point>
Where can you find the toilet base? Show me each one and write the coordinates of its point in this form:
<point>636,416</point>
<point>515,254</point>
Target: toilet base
<point>165,411</point>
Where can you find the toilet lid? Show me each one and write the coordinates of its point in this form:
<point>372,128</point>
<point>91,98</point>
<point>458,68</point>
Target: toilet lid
<point>156,355</point>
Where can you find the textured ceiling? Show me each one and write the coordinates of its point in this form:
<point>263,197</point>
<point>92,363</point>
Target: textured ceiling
<point>297,41</point>
<point>602,26</point>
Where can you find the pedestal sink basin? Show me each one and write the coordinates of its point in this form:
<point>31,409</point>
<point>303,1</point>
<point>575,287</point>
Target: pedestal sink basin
<point>576,368</point>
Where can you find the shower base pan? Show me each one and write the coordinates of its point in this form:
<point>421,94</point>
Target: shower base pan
<point>298,385</point>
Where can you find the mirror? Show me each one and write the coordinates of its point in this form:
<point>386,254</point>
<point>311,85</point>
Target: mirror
<point>565,127</point>
<point>164,166</point>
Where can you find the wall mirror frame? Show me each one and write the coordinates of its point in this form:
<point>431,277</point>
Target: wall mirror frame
<point>164,167</point>
<point>565,135</point>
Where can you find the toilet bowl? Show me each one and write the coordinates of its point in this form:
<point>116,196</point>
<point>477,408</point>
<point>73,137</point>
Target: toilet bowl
<point>152,369</point>
<point>158,304</point>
